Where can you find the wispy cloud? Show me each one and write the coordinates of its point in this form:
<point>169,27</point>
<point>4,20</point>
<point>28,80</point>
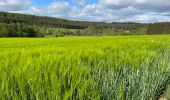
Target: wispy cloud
<point>103,10</point>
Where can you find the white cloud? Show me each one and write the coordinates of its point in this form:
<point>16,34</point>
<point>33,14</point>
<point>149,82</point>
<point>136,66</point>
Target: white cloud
<point>151,5</point>
<point>14,5</point>
<point>113,4</point>
<point>58,8</point>
<point>79,3</point>
<point>148,17</point>
<point>103,10</point>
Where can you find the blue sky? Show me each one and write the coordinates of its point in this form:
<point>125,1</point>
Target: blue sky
<point>47,2</point>
<point>41,2</point>
<point>144,11</point>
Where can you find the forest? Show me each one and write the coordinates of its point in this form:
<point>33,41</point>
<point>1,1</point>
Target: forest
<point>24,25</point>
<point>159,28</point>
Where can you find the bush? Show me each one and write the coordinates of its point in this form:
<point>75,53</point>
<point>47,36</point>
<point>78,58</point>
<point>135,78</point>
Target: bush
<point>18,30</point>
<point>58,34</point>
<point>61,33</point>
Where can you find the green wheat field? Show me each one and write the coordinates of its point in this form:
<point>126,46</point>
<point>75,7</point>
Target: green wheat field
<point>85,68</point>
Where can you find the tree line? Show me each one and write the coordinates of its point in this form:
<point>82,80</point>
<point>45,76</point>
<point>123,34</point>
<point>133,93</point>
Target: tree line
<point>24,30</point>
<point>60,23</point>
<point>18,30</point>
<point>23,25</point>
<point>159,28</point>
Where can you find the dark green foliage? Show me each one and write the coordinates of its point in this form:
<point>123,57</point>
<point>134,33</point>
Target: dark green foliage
<point>18,30</point>
<point>59,33</point>
<point>95,31</point>
<point>61,23</point>
<point>159,28</point>
<point>7,30</point>
<point>22,25</point>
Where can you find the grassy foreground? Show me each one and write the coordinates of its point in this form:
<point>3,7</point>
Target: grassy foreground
<point>119,68</point>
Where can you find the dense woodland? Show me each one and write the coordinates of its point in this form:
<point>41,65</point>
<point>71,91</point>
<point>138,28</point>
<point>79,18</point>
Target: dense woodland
<point>159,28</point>
<point>23,25</point>
<point>18,30</point>
<point>57,22</point>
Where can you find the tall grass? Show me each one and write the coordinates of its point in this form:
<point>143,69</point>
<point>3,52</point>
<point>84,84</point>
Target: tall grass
<point>119,68</point>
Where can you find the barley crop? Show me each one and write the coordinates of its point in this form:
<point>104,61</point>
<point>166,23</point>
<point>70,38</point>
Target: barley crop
<point>84,68</point>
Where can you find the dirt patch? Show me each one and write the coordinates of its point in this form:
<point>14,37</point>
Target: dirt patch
<point>163,98</point>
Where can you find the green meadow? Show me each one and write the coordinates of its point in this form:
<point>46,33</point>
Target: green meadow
<point>85,68</point>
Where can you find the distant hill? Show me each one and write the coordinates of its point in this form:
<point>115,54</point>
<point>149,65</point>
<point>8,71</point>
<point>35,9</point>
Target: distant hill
<point>25,25</point>
<point>58,22</point>
<point>14,20</point>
